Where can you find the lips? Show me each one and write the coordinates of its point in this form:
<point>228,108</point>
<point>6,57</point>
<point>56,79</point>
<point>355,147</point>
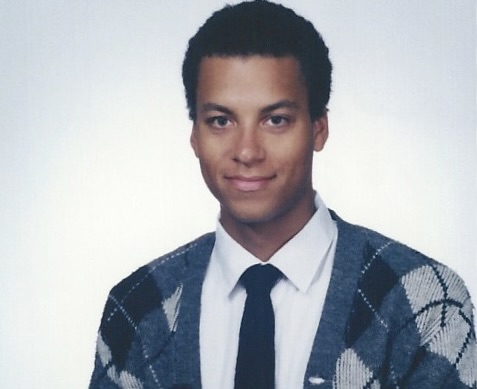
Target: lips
<point>249,184</point>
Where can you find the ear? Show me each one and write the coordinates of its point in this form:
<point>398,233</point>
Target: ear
<point>193,140</point>
<point>320,131</point>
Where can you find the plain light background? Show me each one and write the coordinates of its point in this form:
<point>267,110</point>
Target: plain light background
<point>97,176</point>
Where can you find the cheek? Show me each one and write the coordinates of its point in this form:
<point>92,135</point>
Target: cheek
<point>296,154</point>
<point>210,165</point>
<point>206,166</point>
<point>213,147</point>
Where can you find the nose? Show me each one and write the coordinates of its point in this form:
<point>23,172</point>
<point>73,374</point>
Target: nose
<point>248,148</point>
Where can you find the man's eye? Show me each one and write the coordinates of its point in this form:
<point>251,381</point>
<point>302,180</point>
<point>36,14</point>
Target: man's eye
<point>277,121</point>
<point>218,121</point>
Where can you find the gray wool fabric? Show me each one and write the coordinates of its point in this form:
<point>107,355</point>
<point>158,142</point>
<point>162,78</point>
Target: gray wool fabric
<point>392,318</point>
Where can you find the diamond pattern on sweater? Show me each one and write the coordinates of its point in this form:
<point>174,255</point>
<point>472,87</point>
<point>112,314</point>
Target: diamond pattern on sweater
<point>352,373</point>
<point>171,307</point>
<point>123,379</point>
<point>450,341</point>
<point>125,308</point>
<point>427,304</point>
<point>467,367</point>
<point>443,316</point>
<point>372,290</point>
<point>442,296</point>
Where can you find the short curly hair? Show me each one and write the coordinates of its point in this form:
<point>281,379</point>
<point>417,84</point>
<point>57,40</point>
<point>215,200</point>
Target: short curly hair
<point>261,28</point>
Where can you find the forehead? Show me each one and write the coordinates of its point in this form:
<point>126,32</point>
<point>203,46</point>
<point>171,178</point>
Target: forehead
<point>249,78</point>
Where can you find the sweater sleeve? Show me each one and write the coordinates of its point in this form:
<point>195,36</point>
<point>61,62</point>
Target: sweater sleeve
<point>120,354</point>
<point>118,359</point>
<point>443,316</point>
<point>411,326</point>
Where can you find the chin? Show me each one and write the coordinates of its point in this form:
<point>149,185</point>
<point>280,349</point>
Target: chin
<point>248,215</point>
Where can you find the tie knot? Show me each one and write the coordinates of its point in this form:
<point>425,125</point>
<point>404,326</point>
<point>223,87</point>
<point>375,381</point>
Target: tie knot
<point>260,279</point>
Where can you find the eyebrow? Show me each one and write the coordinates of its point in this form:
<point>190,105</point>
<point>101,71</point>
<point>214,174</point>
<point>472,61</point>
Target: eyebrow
<point>280,104</point>
<point>216,107</point>
<point>267,109</point>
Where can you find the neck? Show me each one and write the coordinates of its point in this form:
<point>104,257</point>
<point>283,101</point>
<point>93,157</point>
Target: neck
<point>263,239</point>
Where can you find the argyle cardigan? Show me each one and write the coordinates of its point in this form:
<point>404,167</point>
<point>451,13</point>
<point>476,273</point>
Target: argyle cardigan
<point>392,318</point>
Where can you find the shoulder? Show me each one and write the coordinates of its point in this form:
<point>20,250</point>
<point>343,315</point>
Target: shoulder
<point>167,269</point>
<point>390,263</point>
<point>406,301</point>
<point>373,248</point>
<point>141,310</point>
<point>143,293</point>
<point>395,278</point>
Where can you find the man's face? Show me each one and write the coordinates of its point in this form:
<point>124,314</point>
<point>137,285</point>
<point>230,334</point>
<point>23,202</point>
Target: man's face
<point>255,139</point>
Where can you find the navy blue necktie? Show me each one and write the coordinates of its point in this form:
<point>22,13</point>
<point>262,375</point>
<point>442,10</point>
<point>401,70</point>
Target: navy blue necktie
<point>255,367</point>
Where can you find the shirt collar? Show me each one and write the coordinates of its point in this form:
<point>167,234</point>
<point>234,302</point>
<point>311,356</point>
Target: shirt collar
<point>300,259</point>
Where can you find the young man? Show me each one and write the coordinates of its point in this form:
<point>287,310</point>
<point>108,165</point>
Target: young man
<point>348,308</point>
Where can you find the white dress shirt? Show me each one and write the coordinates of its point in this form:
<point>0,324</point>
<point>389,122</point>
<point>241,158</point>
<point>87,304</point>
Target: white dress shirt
<point>306,261</point>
